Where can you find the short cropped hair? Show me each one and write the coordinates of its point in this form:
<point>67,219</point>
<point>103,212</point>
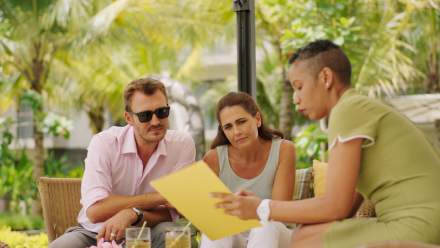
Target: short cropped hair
<point>147,86</point>
<point>324,53</point>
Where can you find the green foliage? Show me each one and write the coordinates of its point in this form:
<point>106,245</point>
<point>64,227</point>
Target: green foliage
<point>16,170</point>
<point>308,144</point>
<point>58,167</point>
<point>19,222</point>
<point>267,107</point>
<point>320,21</point>
<point>382,38</point>
<point>21,240</point>
<point>76,172</point>
<point>16,181</point>
<point>389,43</point>
<point>33,99</point>
<point>54,167</point>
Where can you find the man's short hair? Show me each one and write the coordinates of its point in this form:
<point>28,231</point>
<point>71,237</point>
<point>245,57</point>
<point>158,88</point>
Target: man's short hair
<point>324,53</point>
<point>147,86</point>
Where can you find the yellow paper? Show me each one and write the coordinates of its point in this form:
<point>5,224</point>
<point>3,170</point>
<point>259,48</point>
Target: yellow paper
<point>188,190</point>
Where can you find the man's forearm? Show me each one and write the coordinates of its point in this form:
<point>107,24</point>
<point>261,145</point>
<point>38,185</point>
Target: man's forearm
<point>107,207</point>
<point>154,217</point>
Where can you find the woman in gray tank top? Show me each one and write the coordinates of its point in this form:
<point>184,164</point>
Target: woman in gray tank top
<point>251,158</point>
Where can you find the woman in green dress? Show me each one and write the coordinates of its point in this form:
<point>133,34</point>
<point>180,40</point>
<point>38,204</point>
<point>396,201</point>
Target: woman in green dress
<point>374,153</point>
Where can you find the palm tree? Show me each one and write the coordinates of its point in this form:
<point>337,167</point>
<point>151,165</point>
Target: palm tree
<point>32,34</point>
<point>387,66</point>
<point>128,39</point>
<point>37,35</point>
<point>426,41</point>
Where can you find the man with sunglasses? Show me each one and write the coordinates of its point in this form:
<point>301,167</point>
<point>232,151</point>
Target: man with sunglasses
<point>121,162</point>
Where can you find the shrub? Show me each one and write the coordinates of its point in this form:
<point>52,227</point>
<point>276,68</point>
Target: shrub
<point>16,182</point>
<point>18,222</point>
<point>21,240</point>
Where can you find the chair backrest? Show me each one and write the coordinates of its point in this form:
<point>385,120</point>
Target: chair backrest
<point>60,200</point>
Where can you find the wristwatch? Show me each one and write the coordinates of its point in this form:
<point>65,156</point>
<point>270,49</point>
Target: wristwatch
<point>263,210</point>
<point>140,216</point>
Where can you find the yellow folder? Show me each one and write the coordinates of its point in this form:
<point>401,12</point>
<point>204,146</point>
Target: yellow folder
<point>188,190</point>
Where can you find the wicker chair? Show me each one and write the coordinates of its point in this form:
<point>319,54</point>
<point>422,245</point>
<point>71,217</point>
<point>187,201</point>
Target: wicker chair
<point>60,200</point>
<point>365,210</point>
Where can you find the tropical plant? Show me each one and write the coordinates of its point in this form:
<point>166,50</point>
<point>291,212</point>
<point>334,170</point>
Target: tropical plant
<point>425,39</point>
<point>382,38</point>
<point>310,144</point>
<point>285,26</point>
<point>130,39</point>
<point>393,45</point>
<point>16,184</point>
<point>32,32</point>
<point>16,168</point>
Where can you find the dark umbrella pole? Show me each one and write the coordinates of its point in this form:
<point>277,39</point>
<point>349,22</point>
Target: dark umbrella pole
<point>245,10</point>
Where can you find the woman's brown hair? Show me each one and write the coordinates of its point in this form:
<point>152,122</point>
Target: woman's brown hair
<point>249,105</point>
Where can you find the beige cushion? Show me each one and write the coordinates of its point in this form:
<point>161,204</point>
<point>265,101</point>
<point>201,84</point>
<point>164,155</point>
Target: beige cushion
<point>319,177</point>
<point>303,184</point>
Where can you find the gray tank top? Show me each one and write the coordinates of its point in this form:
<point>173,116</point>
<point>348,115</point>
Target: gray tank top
<point>262,184</point>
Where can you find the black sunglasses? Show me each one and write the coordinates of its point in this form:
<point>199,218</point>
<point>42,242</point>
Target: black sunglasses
<point>146,116</point>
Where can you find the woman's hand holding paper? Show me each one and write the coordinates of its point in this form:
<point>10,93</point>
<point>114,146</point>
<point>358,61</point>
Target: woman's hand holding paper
<point>242,204</point>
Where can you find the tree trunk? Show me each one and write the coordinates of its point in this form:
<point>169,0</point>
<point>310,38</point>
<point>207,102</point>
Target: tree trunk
<point>96,119</point>
<point>286,110</point>
<point>433,61</point>
<point>286,114</point>
<point>38,158</point>
<point>433,77</point>
<point>37,79</point>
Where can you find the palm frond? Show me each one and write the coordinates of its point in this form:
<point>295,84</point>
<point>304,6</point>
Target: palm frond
<point>388,68</point>
<point>65,12</point>
<point>100,23</point>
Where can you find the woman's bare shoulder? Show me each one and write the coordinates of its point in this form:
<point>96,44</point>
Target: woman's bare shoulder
<point>211,158</point>
<point>287,146</point>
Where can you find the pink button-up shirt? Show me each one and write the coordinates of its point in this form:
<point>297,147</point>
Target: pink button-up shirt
<point>113,166</point>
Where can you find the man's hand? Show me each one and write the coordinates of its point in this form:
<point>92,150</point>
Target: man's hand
<point>114,228</point>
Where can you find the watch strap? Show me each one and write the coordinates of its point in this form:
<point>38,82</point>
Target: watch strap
<point>139,214</point>
<point>263,210</point>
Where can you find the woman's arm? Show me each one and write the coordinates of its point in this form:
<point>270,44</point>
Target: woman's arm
<point>336,203</point>
<point>285,175</point>
<point>357,201</point>
<point>211,159</point>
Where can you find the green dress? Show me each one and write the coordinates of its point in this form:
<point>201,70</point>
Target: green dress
<point>400,174</point>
